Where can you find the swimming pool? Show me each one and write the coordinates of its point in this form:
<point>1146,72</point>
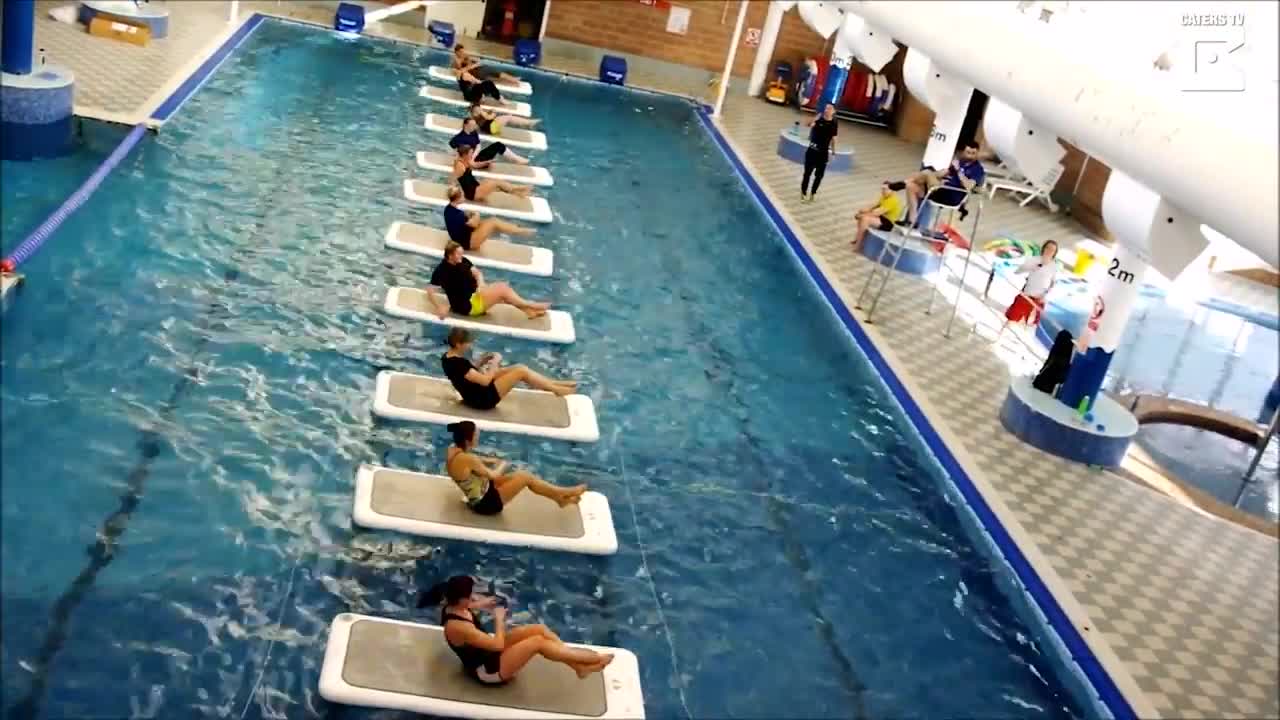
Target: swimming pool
<point>29,191</point>
<point>204,377</point>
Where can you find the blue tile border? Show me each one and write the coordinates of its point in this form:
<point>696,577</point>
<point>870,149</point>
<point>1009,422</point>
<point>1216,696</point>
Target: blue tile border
<point>1080,653</point>
<point>193,82</point>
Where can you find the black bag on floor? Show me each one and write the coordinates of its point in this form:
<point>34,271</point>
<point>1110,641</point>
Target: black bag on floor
<point>1054,371</point>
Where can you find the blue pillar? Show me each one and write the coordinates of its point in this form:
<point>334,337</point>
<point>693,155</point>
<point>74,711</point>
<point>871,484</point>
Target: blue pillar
<point>1112,307</point>
<point>1270,404</point>
<point>833,88</point>
<point>18,41</point>
<point>35,107</point>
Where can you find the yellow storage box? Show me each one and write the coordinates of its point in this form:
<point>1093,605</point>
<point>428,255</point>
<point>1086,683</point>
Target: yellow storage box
<point>115,29</point>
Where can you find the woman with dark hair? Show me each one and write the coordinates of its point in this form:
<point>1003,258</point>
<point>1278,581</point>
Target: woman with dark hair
<point>474,89</point>
<point>485,482</point>
<point>495,658</point>
<point>484,390</point>
<point>479,190</point>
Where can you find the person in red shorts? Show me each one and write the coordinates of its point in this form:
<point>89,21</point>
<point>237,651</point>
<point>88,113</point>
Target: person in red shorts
<point>1041,271</point>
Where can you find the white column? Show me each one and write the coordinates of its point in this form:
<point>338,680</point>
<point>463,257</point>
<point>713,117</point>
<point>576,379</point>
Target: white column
<point>1193,161</point>
<point>546,14</point>
<point>728,61</point>
<point>764,53</point>
<point>233,12</point>
<point>946,95</point>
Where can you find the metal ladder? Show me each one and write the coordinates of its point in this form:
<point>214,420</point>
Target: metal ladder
<point>903,235</point>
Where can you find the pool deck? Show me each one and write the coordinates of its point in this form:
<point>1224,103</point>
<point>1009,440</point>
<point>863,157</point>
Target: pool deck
<point>1183,603</point>
<point>1180,606</point>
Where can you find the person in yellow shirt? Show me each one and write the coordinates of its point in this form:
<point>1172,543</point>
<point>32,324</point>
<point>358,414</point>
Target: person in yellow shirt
<point>886,211</point>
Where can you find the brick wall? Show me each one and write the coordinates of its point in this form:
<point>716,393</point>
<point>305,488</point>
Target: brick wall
<point>1086,208</point>
<point>635,28</point>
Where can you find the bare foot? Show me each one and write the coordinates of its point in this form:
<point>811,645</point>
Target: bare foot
<point>519,160</point>
<point>586,670</point>
<point>524,191</point>
<point>571,384</point>
<point>571,495</point>
<point>597,667</point>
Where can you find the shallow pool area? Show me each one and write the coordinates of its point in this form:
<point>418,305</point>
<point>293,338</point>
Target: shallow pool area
<point>191,401</point>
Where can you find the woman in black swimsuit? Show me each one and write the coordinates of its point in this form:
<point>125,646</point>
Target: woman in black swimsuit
<point>494,659</point>
<point>474,89</point>
<point>479,190</point>
<point>484,390</point>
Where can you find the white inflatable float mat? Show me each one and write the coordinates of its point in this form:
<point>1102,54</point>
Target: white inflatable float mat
<point>529,209</point>
<point>493,253</point>
<point>413,304</point>
<point>432,506</point>
<point>457,99</point>
<point>421,398</point>
<point>497,170</point>
<point>515,137</point>
<point>444,74</point>
<point>383,663</point>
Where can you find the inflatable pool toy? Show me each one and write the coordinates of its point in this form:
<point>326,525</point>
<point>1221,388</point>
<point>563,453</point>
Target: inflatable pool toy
<point>1007,248</point>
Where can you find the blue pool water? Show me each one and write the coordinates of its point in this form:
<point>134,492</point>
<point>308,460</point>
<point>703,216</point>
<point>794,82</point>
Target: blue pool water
<point>199,379</point>
<point>29,191</point>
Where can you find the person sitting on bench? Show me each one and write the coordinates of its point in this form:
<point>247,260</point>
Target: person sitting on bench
<point>882,215</point>
<point>470,135</point>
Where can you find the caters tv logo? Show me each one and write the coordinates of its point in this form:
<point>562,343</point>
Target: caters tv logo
<point>1216,58</point>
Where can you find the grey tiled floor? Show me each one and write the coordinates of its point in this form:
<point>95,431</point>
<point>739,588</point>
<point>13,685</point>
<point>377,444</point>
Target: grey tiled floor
<point>1185,601</point>
<point>116,80</point>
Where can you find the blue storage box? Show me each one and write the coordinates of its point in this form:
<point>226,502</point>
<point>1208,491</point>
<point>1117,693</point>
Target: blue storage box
<point>528,52</point>
<point>613,70</point>
<point>441,33</point>
<point>350,18</point>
